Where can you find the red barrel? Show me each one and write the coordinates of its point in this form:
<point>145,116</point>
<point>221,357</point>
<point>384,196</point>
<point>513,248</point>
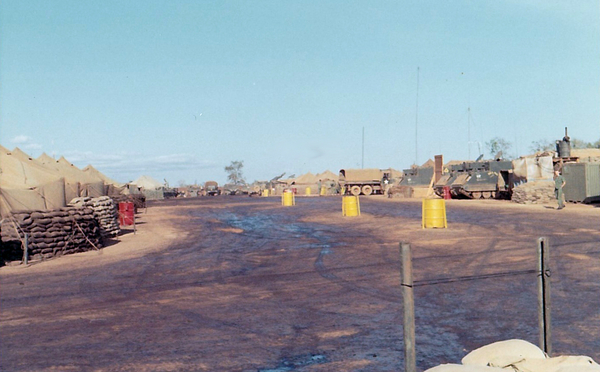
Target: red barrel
<point>447,195</point>
<point>126,213</point>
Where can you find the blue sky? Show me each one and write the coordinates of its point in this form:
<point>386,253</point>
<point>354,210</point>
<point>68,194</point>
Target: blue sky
<point>178,89</point>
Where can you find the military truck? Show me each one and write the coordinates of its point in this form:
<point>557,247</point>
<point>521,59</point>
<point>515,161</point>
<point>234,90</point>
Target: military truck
<point>364,181</point>
<point>211,188</point>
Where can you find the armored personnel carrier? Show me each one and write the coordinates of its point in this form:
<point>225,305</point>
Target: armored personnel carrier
<point>488,179</point>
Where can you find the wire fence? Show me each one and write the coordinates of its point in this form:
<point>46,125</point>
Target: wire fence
<point>542,273</point>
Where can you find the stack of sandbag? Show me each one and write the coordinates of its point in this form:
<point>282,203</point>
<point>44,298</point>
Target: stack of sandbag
<point>534,192</point>
<point>398,191</point>
<point>105,212</point>
<point>517,356</point>
<point>52,233</point>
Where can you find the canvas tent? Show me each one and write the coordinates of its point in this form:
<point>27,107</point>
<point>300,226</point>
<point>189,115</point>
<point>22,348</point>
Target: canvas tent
<point>148,183</point>
<point>327,176</point>
<point>89,169</point>
<point>44,183</point>
<point>27,185</point>
<point>306,179</point>
<point>151,188</point>
<point>111,187</point>
<point>77,182</point>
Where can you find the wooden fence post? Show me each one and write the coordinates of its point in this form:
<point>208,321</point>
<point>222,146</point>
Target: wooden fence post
<point>26,249</point>
<point>544,295</point>
<point>409,309</point>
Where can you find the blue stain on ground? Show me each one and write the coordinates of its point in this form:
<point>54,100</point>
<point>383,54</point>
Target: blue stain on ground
<point>291,364</point>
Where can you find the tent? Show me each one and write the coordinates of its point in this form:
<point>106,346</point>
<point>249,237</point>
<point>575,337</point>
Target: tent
<point>148,183</point>
<point>77,182</point>
<point>150,188</point>
<point>327,175</point>
<point>44,183</point>
<point>305,179</point>
<point>112,187</point>
<point>89,169</point>
<point>25,184</point>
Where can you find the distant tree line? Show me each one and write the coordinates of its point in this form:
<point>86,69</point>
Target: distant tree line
<point>499,145</point>
<point>545,145</point>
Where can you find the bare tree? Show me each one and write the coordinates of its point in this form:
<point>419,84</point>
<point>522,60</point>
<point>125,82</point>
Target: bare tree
<point>496,145</point>
<point>545,145</point>
<point>542,145</point>
<point>234,172</point>
<point>580,144</point>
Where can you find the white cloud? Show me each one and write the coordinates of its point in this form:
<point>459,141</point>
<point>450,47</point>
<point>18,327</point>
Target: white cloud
<point>25,142</point>
<point>131,165</point>
<point>21,139</point>
<point>32,146</point>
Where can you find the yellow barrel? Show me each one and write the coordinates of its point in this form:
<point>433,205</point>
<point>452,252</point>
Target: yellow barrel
<point>265,192</point>
<point>323,190</point>
<point>307,191</point>
<point>434,213</point>
<point>350,206</point>
<point>288,199</point>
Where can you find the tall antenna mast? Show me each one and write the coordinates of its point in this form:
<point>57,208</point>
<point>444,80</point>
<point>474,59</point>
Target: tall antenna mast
<point>363,149</point>
<point>417,122</point>
<point>469,131</point>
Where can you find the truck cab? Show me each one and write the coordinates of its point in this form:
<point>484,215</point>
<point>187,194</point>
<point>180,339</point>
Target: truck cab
<point>211,188</point>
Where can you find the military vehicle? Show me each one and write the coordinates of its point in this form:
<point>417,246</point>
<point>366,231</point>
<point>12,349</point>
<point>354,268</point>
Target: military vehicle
<point>417,177</point>
<point>491,179</point>
<point>364,181</point>
<point>211,188</point>
<point>257,187</point>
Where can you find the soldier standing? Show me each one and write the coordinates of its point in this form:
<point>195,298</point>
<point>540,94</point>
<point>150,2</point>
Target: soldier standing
<point>559,183</point>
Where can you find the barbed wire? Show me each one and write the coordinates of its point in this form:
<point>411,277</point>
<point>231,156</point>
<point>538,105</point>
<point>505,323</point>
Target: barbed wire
<point>419,283</point>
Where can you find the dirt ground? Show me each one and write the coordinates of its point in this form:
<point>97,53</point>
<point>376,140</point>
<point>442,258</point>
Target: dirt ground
<point>245,284</point>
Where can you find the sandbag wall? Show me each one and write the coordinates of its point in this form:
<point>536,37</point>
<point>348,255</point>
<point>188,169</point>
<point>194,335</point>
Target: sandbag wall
<point>105,212</point>
<point>54,233</point>
<point>534,192</point>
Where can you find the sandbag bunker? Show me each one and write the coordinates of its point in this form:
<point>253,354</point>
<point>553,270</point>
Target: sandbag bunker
<point>82,226</point>
<point>518,356</point>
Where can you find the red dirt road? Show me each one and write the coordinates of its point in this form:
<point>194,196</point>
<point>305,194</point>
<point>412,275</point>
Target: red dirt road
<point>244,284</point>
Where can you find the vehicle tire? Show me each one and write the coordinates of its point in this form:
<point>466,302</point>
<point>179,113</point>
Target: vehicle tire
<point>367,189</point>
<point>355,190</point>
<point>487,194</point>
<point>477,195</point>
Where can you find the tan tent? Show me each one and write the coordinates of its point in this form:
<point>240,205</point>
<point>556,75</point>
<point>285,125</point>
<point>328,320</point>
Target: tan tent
<point>148,183</point>
<point>428,163</point>
<point>90,185</point>
<point>306,179</point>
<point>327,175</point>
<point>150,188</point>
<point>89,169</point>
<point>112,187</point>
<point>27,185</point>
<point>77,182</point>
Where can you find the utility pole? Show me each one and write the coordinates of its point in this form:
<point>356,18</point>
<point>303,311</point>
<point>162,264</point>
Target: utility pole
<point>469,132</point>
<point>410,360</point>
<point>363,149</point>
<point>417,122</point>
